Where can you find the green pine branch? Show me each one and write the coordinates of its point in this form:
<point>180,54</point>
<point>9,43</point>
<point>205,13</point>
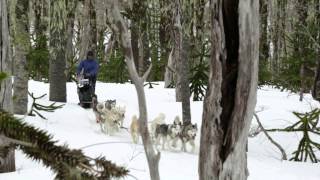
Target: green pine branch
<point>65,162</point>
<point>307,124</point>
<point>3,76</point>
<point>35,107</point>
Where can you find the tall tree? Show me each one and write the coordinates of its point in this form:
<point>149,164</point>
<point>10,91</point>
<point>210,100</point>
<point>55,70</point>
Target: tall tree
<point>177,36</point>
<point>84,26</point>
<point>302,12</point>
<point>93,26</point>
<point>70,60</point>
<point>22,45</point>
<point>118,25</point>
<point>316,85</point>
<point>88,32</point>
<point>181,57</point>
<point>164,32</point>
<point>101,30</point>
<point>264,44</point>
<point>57,78</point>
<point>6,155</point>
<point>231,96</point>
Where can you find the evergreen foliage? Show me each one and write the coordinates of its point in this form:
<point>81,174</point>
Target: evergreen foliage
<point>265,76</point>
<point>3,76</point>
<point>307,125</point>
<point>115,70</point>
<point>289,76</point>
<point>35,107</point>
<point>65,162</point>
<point>199,81</point>
<point>38,60</point>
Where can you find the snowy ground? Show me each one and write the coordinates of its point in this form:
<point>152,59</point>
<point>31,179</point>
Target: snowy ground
<point>77,127</point>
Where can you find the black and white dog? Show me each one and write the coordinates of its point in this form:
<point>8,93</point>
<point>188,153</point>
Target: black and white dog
<point>109,116</point>
<point>99,107</point>
<point>168,133</point>
<point>188,135</point>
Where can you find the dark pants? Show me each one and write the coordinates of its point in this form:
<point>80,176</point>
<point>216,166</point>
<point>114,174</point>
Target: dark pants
<point>93,81</point>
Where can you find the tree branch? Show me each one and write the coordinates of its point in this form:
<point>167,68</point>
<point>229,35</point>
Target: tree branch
<point>146,74</point>
<point>284,155</point>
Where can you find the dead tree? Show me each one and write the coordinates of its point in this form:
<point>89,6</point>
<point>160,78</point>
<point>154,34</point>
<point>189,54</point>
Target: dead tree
<point>21,44</point>
<point>180,55</point>
<point>7,163</point>
<point>120,27</point>
<point>231,95</point>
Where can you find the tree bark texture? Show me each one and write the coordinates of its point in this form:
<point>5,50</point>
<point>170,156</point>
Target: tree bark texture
<point>93,26</point>
<point>231,95</point>
<point>21,44</point>
<point>101,30</point>
<point>118,25</point>
<point>71,8</point>
<point>57,68</point>
<point>183,69</point>
<point>169,74</point>
<point>181,49</point>
<point>7,158</point>
<point>264,41</point>
<point>316,84</point>
<point>164,30</point>
<point>41,24</point>
<point>177,39</point>
<point>135,41</point>
<point>85,39</point>
<point>302,13</point>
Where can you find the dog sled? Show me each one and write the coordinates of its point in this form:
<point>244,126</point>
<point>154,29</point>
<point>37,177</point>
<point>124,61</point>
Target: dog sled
<point>85,92</point>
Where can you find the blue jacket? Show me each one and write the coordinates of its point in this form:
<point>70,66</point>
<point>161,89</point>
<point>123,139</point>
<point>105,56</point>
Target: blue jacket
<point>90,67</point>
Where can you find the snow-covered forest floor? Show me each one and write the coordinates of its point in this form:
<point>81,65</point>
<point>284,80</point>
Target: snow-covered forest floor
<point>76,127</point>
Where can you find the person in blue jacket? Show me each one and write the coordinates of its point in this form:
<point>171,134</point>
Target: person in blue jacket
<point>89,67</point>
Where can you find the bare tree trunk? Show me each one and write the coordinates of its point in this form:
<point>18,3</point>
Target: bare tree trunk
<point>85,30</point>
<point>181,48</point>
<point>40,24</point>
<point>177,34</point>
<point>183,69</point>
<point>22,44</point>
<point>302,81</point>
<point>71,8</point>
<point>164,31</point>
<point>144,61</point>
<point>169,74</point>
<point>302,12</point>
<point>101,30</point>
<point>231,96</point>
<point>118,25</point>
<point>264,41</point>
<point>7,158</point>
<point>109,48</point>
<point>134,29</point>
<point>316,84</point>
<point>57,76</point>
<point>93,26</point>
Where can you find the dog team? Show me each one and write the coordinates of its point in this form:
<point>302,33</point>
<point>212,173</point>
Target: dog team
<point>167,135</point>
<point>111,117</point>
